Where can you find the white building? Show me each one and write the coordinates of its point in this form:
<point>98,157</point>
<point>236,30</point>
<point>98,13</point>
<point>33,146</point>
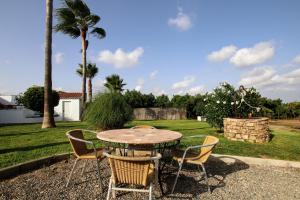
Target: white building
<point>68,108</point>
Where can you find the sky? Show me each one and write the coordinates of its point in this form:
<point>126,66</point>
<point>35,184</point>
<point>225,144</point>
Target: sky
<point>164,47</point>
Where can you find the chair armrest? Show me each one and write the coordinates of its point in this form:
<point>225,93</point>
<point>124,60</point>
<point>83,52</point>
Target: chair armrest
<point>80,140</point>
<point>197,147</point>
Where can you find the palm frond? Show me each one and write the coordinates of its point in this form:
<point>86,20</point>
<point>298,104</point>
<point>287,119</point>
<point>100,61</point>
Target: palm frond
<point>79,70</point>
<point>73,31</point>
<point>65,15</point>
<point>98,32</point>
<point>92,20</point>
<point>78,7</point>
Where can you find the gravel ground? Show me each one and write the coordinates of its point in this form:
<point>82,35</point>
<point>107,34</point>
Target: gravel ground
<point>228,181</point>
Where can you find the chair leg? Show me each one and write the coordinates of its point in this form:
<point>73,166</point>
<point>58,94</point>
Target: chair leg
<point>83,168</point>
<point>72,172</point>
<point>206,179</point>
<point>98,169</point>
<point>109,189</point>
<point>175,182</point>
<point>113,191</point>
<point>150,191</point>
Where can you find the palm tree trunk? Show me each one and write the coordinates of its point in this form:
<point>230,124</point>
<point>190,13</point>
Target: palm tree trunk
<point>83,37</point>
<point>48,119</point>
<point>90,89</point>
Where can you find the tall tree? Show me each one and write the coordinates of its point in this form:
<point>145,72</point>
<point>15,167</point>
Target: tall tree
<point>48,119</point>
<point>114,83</point>
<point>75,19</point>
<point>91,72</point>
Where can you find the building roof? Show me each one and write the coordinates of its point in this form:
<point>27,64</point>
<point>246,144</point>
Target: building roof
<point>69,95</point>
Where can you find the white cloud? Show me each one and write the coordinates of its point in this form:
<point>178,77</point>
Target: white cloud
<point>196,90</point>
<point>187,81</point>
<point>182,21</point>
<point>120,58</point>
<point>157,91</point>
<point>258,77</point>
<point>99,86</point>
<point>268,78</point>
<point>153,74</point>
<point>297,59</point>
<point>140,84</point>
<point>222,54</point>
<point>58,58</point>
<point>257,54</point>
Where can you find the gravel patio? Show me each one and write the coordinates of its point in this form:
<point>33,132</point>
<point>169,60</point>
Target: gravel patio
<point>228,181</point>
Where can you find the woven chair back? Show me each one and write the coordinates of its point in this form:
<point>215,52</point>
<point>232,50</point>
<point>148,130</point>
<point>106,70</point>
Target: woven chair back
<point>130,170</point>
<point>206,151</point>
<point>78,147</point>
<point>143,126</point>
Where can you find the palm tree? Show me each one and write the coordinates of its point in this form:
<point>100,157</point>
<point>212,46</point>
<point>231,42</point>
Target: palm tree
<point>75,19</point>
<point>91,72</point>
<point>48,118</point>
<point>114,83</point>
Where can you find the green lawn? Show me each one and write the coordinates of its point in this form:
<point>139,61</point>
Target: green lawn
<point>20,143</point>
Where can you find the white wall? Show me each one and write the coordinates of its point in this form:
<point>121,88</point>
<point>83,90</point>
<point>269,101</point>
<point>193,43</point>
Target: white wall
<point>74,110</point>
<point>19,116</point>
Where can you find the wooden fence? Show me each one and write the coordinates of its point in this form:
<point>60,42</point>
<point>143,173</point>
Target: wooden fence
<point>159,113</point>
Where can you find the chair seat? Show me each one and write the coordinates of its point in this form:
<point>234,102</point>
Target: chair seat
<point>91,154</point>
<point>192,158</point>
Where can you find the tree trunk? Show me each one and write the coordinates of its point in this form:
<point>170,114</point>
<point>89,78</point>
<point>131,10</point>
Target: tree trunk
<point>48,119</point>
<point>90,89</point>
<point>83,99</point>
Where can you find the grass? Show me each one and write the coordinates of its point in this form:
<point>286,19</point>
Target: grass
<point>20,143</point>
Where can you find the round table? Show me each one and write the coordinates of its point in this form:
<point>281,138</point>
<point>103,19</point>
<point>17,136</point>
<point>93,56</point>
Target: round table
<point>139,136</point>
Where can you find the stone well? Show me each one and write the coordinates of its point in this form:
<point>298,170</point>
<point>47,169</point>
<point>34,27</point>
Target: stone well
<point>254,130</point>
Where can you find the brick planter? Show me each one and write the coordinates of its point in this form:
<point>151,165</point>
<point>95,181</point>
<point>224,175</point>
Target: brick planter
<point>254,130</point>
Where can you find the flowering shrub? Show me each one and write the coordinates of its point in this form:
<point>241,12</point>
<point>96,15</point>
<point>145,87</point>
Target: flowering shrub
<point>225,101</point>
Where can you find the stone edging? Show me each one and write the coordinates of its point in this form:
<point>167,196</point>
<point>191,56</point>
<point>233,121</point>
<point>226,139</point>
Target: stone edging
<point>21,168</point>
<point>256,161</point>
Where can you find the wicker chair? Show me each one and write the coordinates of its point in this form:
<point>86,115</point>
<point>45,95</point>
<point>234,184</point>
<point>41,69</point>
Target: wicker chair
<point>197,159</point>
<point>79,146</point>
<point>132,170</point>
<point>143,126</point>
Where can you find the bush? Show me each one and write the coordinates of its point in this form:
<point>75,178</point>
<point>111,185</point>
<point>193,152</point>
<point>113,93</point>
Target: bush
<point>108,111</point>
<point>33,99</point>
<point>225,101</point>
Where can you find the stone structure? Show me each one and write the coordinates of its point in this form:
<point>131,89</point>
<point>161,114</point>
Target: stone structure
<point>254,130</point>
<point>159,113</point>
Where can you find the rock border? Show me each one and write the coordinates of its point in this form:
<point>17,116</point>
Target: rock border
<point>22,168</point>
<point>256,161</point>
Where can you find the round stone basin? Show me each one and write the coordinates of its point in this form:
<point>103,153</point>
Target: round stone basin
<point>254,130</point>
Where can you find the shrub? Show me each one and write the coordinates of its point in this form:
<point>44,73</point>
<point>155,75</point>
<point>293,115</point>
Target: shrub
<point>225,101</point>
<point>108,111</point>
<point>33,99</point>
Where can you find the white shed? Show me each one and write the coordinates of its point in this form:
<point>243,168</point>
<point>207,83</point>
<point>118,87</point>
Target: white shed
<point>68,108</point>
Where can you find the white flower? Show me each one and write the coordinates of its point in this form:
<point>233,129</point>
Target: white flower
<point>242,100</point>
<point>205,99</point>
<point>237,102</point>
<point>257,109</point>
<point>232,103</point>
<point>224,102</point>
<point>218,102</point>
<point>228,92</point>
